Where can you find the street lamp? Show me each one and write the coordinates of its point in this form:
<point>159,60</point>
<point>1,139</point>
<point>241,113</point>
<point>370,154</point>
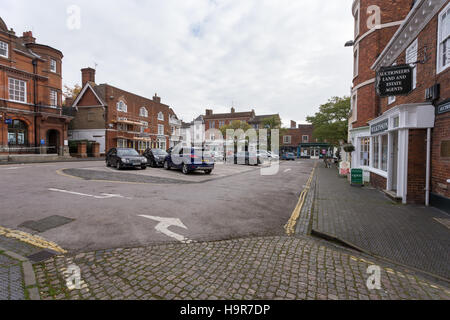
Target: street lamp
<point>349,43</point>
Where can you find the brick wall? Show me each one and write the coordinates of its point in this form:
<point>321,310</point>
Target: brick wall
<point>378,182</point>
<point>417,157</point>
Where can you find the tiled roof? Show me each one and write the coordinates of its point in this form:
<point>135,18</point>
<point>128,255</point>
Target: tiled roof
<point>234,115</point>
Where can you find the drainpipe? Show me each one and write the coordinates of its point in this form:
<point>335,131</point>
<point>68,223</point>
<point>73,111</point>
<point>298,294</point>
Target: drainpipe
<point>34,62</point>
<point>427,182</point>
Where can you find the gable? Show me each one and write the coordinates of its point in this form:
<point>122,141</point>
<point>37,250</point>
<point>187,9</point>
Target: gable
<point>88,98</point>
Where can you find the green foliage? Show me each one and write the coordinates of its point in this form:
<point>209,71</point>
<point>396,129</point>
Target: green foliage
<point>331,122</point>
<point>235,125</point>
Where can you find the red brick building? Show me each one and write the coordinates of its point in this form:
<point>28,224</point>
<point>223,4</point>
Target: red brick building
<point>31,116</point>
<point>218,120</point>
<point>403,141</point>
<point>117,118</point>
<point>298,139</point>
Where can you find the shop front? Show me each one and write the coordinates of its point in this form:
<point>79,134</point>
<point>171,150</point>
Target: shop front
<point>315,150</point>
<point>397,151</point>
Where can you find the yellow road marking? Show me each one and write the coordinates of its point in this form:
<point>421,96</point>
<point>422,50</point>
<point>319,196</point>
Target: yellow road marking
<point>290,225</point>
<point>31,239</point>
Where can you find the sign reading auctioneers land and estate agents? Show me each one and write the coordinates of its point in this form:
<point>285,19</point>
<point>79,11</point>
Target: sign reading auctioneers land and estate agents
<point>394,81</point>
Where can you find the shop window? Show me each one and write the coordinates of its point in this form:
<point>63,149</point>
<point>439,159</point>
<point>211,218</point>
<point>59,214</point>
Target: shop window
<point>17,133</point>
<point>364,155</point>
<point>376,152</point>
<point>384,152</point>
<point>121,143</point>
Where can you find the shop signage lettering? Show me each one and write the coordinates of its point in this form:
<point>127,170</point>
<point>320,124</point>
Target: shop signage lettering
<point>357,177</point>
<point>394,81</point>
<point>380,127</point>
<point>443,108</point>
<point>8,121</point>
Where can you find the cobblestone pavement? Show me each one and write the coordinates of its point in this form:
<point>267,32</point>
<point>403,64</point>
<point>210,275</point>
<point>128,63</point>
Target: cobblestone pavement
<point>255,268</point>
<point>11,280</point>
<point>365,218</point>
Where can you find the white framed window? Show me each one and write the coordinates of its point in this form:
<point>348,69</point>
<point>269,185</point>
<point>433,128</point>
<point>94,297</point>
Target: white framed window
<point>161,116</point>
<point>212,124</point>
<point>443,48</point>
<point>143,112</point>
<point>53,65</point>
<point>364,152</point>
<point>4,52</point>
<point>305,139</point>
<point>121,143</point>
<point>121,106</point>
<point>376,152</point>
<point>287,139</point>
<point>356,62</point>
<point>411,58</point>
<point>17,90</point>
<point>53,98</point>
<point>222,124</point>
<point>354,106</point>
<point>160,129</point>
<point>356,14</point>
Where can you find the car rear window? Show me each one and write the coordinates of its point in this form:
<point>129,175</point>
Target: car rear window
<point>127,153</point>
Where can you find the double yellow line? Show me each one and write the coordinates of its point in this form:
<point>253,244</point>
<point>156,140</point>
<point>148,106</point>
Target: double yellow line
<point>290,226</point>
<point>31,239</point>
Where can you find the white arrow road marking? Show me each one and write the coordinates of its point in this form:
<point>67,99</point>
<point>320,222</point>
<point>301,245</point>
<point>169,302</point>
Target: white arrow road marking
<point>165,223</point>
<point>103,196</point>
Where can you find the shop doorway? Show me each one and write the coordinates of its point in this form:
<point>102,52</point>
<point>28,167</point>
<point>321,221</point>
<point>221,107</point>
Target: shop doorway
<point>394,157</point>
<point>52,141</point>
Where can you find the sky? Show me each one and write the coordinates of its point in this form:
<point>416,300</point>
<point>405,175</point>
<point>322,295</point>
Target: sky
<point>277,56</point>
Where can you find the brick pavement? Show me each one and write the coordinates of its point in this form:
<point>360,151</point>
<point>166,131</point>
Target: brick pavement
<point>288,268</point>
<point>366,218</point>
<point>11,280</point>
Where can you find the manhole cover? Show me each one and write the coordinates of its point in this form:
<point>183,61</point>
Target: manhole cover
<point>41,256</point>
<point>46,223</point>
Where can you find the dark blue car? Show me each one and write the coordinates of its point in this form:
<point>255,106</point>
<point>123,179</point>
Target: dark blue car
<point>189,159</point>
<point>288,156</point>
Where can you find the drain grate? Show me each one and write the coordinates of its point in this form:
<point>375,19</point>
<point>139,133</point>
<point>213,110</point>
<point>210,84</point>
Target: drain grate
<point>41,256</point>
<point>46,223</point>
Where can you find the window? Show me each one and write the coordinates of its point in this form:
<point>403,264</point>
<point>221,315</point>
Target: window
<point>121,143</point>
<point>17,90</point>
<point>384,152</point>
<point>161,116</point>
<point>356,14</point>
<point>356,62</point>
<point>287,139</point>
<point>212,124</point>
<point>121,106</point>
<point>305,139</point>
<point>160,129</point>
<point>17,133</point>
<point>364,152</point>
<point>376,152</point>
<point>354,107</point>
<point>411,58</point>
<point>53,65</point>
<point>53,98</point>
<point>443,53</point>
<point>222,124</point>
<point>143,112</point>
<point>3,49</point>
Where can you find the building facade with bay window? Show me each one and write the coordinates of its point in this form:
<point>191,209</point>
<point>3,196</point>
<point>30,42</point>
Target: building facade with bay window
<point>31,115</point>
<point>404,146</point>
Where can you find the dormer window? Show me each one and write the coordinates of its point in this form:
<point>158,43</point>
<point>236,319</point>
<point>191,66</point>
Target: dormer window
<point>3,49</point>
<point>161,116</point>
<point>53,65</point>
<point>143,112</point>
<point>121,106</point>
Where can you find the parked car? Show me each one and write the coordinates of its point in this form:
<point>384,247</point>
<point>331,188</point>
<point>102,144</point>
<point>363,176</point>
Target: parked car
<point>245,157</point>
<point>125,158</point>
<point>189,159</point>
<point>288,156</point>
<point>267,155</point>
<point>155,157</point>
<point>273,156</point>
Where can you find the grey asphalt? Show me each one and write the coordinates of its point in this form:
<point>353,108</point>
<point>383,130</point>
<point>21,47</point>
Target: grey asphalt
<point>367,219</point>
<point>237,202</point>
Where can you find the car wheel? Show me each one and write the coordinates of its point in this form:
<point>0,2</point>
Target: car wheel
<point>108,164</point>
<point>208,171</point>
<point>144,167</point>
<point>118,165</point>
<point>166,165</point>
<point>185,168</point>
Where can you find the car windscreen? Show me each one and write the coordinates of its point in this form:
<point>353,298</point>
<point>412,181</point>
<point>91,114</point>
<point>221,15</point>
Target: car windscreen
<point>159,152</point>
<point>127,153</point>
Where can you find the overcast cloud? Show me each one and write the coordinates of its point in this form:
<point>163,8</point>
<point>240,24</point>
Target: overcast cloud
<point>276,56</point>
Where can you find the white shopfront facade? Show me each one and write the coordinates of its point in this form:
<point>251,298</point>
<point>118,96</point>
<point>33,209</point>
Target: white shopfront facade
<point>383,148</point>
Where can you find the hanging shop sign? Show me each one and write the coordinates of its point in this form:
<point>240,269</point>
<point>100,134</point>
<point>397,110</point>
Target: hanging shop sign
<point>394,81</point>
<point>379,127</point>
<point>443,108</point>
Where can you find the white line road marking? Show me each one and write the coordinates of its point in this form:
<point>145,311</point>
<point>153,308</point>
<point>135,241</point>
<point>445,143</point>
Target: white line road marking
<point>165,223</point>
<point>287,170</point>
<point>103,196</point>
<point>11,168</point>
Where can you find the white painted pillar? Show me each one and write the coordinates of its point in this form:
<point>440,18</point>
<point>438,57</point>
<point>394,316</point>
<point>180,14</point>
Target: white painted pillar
<point>427,182</point>
<point>389,162</point>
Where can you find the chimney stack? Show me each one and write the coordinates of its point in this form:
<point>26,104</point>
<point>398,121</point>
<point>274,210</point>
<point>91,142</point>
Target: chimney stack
<point>293,124</point>
<point>209,112</point>
<point>87,75</point>
<point>233,110</point>
<point>156,98</point>
<point>28,37</point>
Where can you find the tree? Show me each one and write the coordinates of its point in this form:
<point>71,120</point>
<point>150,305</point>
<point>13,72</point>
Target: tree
<point>331,122</point>
<point>235,125</point>
<point>271,124</point>
<point>71,92</point>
